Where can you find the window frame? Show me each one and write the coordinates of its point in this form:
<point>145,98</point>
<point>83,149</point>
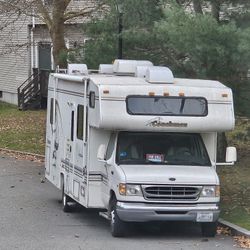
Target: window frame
<point>167,97</point>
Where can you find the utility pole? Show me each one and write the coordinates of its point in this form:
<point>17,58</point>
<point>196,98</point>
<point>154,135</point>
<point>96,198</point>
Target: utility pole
<point>120,29</point>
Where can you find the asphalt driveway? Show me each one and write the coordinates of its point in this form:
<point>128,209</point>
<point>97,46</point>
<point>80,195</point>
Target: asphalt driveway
<point>31,218</point>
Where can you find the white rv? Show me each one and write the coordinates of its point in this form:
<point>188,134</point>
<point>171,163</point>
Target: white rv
<point>136,142</point>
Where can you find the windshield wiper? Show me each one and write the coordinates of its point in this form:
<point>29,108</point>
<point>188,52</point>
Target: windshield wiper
<point>189,163</point>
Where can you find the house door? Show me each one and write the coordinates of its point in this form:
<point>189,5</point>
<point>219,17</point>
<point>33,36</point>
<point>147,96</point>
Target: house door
<point>44,56</point>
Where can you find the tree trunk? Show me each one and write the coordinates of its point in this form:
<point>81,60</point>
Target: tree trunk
<point>215,9</point>
<point>197,6</point>
<point>57,33</point>
<point>59,46</point>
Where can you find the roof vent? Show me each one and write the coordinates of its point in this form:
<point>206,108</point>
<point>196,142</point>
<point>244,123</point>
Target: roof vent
<point>128,66</point>
<point>141,71</point>
<point>106,69</point>
<point>77,69</point>
<point>159,74</point>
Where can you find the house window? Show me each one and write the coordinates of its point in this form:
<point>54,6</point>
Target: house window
<point>1,94</point>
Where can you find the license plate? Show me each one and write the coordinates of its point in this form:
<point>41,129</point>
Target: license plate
<point>204,217</point>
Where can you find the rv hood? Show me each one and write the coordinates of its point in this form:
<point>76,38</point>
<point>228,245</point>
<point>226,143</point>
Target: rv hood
<point>165,174</point>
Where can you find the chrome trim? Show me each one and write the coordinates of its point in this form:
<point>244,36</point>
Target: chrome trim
<point>162,207</point>
<point>142,212</point>
<point>171,192</point>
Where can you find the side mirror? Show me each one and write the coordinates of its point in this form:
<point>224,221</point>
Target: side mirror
<point>231,154</point>
<point>101,152</point>
<point>231,157</point>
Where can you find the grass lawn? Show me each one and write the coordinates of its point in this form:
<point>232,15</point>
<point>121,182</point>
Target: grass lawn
<point>25,131</point>
<point>235,180</point>
<point>19,130</point>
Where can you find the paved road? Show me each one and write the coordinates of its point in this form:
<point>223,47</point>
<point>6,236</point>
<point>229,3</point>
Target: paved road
<point>31,218</point>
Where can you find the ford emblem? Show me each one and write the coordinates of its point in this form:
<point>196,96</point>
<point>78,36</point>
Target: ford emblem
<point>172,179</point>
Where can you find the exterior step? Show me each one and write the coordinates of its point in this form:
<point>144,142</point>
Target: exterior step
<point>105,215</point>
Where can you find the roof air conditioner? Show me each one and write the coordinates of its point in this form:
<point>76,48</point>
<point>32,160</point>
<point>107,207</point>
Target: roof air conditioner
<point>158,74</point>
<point>128,66</point>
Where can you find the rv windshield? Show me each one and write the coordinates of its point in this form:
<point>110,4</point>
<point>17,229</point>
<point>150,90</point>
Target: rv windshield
<point>161,148</point>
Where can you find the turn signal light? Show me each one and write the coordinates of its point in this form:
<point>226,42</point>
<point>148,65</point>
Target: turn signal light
<point>122,189</point>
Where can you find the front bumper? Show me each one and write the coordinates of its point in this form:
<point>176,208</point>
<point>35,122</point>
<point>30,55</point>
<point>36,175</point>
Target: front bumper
<point>142,212</point>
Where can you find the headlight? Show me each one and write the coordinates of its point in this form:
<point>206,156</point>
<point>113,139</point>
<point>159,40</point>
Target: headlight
<point>210,191</point>
<point>130,189</point>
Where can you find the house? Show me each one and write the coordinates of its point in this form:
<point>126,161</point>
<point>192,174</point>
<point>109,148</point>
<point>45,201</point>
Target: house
<point>25,45</point>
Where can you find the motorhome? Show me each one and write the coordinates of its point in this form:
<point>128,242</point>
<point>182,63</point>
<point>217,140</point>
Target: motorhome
<point>137,143</point>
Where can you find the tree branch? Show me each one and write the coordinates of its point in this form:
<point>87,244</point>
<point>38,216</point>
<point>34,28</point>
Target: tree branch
<point>45,17</point>
<point>83,11</point>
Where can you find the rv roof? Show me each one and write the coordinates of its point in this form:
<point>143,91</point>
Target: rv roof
<point>101,79</point>
<point>129,80</point>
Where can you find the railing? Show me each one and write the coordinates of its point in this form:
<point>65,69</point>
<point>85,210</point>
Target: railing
<point>33,92</point>
<point>29,91</point>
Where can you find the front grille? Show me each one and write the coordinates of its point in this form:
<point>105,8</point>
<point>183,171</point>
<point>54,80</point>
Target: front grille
<point>168,193</point>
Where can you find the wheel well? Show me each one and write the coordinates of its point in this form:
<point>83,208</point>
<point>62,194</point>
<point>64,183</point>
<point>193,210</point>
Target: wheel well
<point>112,196</point>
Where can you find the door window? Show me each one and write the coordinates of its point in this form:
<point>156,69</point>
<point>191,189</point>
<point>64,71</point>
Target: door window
<point>80,126</point>
<point>111,146</point>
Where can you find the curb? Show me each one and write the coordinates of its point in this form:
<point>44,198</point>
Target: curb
<point>21,153</point>
<point>236,230</point>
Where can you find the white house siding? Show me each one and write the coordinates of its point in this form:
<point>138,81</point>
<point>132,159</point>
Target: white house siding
<point>15,66</point>
<point>14,57</point>
<point>74,36</point>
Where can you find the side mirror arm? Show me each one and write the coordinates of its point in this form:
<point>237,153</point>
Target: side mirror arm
<point>225,163</point>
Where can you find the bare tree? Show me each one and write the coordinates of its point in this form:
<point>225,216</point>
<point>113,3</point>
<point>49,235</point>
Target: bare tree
<point>54,14</point>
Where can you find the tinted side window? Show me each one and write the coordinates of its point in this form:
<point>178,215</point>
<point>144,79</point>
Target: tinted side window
<point>80,112</point>
<point>72,125</point>
<point>167,106</point>
<point>51,110</point>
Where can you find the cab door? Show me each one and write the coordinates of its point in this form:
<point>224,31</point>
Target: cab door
<point>80,166</point>
<point>52,142</point>
<point>107,169</point>
<point>69,145</point>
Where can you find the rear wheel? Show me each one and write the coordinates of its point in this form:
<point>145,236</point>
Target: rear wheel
<point>65,201</point>
<point>208,229</point>
<point>117,226</point>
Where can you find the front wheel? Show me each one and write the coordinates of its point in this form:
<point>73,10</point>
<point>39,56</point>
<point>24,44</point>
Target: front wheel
<point>117,226</point>
<point>65,201</point>
<point>208,229</point>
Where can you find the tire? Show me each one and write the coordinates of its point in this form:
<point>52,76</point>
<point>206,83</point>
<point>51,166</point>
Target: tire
<point>65,201</point>
<point>117,226</point>
<point>208,229</point>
